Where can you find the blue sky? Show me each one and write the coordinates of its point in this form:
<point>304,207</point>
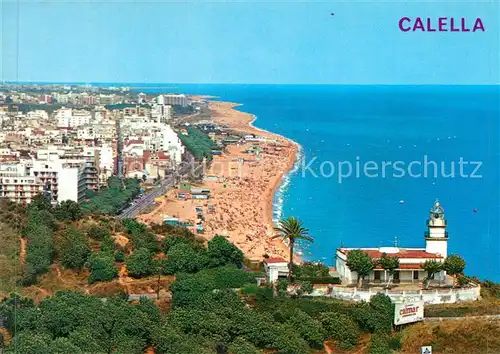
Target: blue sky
<point>245,42</point>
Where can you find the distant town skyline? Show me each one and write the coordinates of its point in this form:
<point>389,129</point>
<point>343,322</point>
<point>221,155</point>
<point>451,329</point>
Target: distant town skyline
<point>245,43</point>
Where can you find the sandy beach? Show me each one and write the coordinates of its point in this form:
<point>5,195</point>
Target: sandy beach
<point>242,182</point>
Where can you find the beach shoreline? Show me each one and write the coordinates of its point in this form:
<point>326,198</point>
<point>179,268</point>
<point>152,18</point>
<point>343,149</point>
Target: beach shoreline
<point>244,205</point>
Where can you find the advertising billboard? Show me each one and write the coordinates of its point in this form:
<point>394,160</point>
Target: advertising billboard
<point>409,312</point>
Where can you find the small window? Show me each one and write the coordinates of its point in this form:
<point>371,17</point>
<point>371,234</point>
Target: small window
<point>415,275</point>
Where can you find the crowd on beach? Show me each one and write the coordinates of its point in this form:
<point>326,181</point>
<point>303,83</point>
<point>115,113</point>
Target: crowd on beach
<point>241,196</point>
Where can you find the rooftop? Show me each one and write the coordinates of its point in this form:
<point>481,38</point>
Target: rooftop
<point>401,253</point>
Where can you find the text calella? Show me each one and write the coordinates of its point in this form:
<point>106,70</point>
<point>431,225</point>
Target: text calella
<point>440,24</point>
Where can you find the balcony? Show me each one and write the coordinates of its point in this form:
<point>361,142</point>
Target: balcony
<point>427,234</point>
<point>428,222</point>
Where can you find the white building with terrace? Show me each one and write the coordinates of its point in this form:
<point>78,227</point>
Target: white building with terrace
<point>410,269</point>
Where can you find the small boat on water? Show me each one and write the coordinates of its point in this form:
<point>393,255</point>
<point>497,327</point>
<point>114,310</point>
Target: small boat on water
<point>401,201</point>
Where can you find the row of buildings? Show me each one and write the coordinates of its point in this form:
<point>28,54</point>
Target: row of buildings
<point>66,152</point>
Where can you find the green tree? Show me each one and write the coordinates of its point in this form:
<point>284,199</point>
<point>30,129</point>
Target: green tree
<point>291,229</point>
<point>431,267</point>
<point>39,202</point>
<point>63,346</point>
<point>389,264</point>
<point>182,258</point>
<point>102,267</point>
<point>241,346</point>
<point>340,328</point>
<point>29,343</point>
<point>68,210</point>
<point>361,263</point>
<point>454,265</point>
<point>74,250</point>
<point>98,233</point>
<point>221,252</point>
<point>308,328</point>
<point>140,263</point>
<point>288,341</point>
<point>379,343</point>
<point>377,315</point>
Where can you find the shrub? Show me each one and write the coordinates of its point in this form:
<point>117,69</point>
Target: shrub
<point>221,252</point>
<point>306,287</point>
<point>241,346</point>
<point>119,256</point>
<point>341,328</point>
<point>379,344</point>
<point>102,267</point>
<point>320,280</point>
<point>308,328</point>
<point>74,250</point>
<point>98,233</point>
<point>140,263</point>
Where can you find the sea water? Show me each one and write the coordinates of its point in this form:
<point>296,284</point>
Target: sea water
<point>348,124</point>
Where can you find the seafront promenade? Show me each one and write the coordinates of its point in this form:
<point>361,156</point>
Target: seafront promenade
<point>243,181</point>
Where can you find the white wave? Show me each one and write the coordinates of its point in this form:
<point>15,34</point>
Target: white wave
<point>278,200</point>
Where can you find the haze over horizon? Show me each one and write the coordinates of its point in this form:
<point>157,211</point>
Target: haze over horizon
<point>245,43</point>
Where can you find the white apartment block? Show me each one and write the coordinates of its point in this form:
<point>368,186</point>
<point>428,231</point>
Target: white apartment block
<point>37,115</point>
<point>173,99</point>
<point>16,185</point>
<point>161,113</point>
<point>96,131</point>
<point>71,118</point>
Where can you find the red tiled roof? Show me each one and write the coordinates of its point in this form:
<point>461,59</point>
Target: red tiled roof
<point>403,253</point>
<point>274,260</point>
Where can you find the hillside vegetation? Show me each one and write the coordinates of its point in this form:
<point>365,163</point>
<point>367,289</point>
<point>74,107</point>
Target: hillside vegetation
<point>74,272</point>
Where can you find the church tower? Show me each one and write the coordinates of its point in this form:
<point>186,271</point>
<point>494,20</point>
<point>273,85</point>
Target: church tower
<point>436,238</point>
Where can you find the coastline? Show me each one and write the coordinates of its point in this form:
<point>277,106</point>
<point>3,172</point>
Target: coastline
<point>245,204</point>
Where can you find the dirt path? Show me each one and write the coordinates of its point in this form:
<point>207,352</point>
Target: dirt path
<point>22,250</point>
<point>6,336</point>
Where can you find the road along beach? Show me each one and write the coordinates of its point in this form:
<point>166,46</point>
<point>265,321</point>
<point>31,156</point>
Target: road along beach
<point>242,182</point>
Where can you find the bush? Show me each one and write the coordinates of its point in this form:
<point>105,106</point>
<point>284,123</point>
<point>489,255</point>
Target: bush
<point>140,263</point>
<point>462,280</point>
<point>311,270</point>
<point>379,344</point>
<point>306,287</point>
<point>74,250</point>
<point>182,258</point>
<point>320,280</point>
<point>119,256</point>
<point>98,233</point>
<point>308,328</point>
<point>341,328</point>
<point>241,346</point>
<point>377,315</point>
<point>221,252</point>
<point>102,267</point>
<point>289,342</point>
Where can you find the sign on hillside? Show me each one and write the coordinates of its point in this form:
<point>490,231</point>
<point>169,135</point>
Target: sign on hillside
<point>426,350</point>
<point>409,312</point>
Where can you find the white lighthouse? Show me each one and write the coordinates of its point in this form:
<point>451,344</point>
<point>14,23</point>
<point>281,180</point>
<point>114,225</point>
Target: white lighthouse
<point>436,238</point>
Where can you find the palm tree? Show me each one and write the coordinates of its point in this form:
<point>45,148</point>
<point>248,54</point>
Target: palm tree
<point>291,229</point>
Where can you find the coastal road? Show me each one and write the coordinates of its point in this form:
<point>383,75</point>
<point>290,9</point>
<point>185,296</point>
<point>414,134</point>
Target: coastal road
<point>149,197</point>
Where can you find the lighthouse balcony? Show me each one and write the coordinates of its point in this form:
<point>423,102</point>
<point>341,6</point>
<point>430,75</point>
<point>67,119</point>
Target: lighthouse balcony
<point>427,234</point>
<point>433,222</point>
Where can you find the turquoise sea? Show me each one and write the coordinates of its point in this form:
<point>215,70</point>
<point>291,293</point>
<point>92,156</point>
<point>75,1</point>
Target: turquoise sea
<point>450,125</point>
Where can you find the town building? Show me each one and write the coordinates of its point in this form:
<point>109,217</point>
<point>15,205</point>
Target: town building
<point>275,268</point>
<point>410,259</point>
<point>173,99</point>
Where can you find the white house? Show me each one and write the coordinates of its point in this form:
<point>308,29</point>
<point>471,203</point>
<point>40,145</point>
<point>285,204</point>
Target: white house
<point>410,259</point>
<point>275,267</point>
